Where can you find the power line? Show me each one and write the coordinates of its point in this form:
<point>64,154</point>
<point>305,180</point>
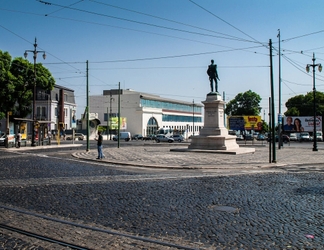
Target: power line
<point>164,19</point>
<point>166,57</point>
<point>137,22</point>
<point>226,22</point>
<point>63,8</point>
<point>296,37</point>
<point>119,27</point>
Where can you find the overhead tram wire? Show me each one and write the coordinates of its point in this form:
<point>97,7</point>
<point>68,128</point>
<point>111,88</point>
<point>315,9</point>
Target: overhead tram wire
<point>174,56</point>
<point>38,47</point>
<point>300,68</point>
<point>227,23</point>
<point>164,19</point>
<point>142,23</point>
<point>164,57</point>
<point>63,8</point>
<point>119,27</point>
<point>296,37</point>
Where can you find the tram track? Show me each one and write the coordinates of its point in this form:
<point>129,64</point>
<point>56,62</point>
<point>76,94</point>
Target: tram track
<point>41,237</point>
<point>105,236</point>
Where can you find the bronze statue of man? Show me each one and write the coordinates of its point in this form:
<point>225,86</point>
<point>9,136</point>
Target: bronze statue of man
<point>213,76</point>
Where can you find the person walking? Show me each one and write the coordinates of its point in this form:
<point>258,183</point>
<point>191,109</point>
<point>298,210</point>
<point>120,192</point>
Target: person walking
<point>19,139</point>
<point>99,145</point>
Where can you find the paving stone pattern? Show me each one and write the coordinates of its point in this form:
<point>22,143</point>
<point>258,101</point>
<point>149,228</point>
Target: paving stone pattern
<point>155,156</point>
<point>279,210</point>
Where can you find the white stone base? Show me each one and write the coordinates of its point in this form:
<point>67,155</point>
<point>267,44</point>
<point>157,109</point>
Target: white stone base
<point>214,142</point>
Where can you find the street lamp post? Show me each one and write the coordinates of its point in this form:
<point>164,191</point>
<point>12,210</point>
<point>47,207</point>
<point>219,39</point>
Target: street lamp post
<point>193,117</point>
<point>110,111</point>
<point>35,52</point>
<point>314,100</point>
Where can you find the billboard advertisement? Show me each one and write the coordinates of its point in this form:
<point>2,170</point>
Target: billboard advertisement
<point>114,123</point>
<point>302,123</point>
<point>245,122</point>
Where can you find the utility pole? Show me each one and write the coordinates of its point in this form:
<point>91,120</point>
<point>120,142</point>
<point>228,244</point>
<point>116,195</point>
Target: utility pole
<point>110,113</point>
<point>279,108</point>
<point>272,107</point>
<point>118,114</point>
<point>87,108</point>
<point>193,116</point>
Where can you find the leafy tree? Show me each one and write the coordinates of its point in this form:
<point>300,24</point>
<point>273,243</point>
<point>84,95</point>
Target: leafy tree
<point>265,127</point>
<point>303,105</point>
<point>7,88</point>
<point>247,103</point>
<point>17,84</point>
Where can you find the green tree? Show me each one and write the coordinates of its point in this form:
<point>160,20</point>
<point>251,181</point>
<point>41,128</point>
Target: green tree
<point>265,127</point>
<point>303,105</point>
<point>7,88</point>
<point>17,84</point>
<point>247,103</point>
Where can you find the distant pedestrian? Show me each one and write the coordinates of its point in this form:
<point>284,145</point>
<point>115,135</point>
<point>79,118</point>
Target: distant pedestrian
<point>19,139</point>
<point>99,145</point>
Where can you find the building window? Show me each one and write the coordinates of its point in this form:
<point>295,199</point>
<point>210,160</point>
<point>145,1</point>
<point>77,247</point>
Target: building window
<point>41,113</point>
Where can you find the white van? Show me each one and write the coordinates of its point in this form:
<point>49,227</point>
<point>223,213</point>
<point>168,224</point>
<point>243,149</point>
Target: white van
<point>123,136</point>
<point>319,136</point>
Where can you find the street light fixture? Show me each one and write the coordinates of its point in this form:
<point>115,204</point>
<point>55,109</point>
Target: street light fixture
<point>35,52</point>
<point>314,100</point>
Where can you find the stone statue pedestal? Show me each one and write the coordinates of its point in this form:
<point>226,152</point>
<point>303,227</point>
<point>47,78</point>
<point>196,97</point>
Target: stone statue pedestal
<point>214,136</point>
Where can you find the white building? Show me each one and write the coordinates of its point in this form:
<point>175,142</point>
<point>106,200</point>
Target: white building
<point>145,114</point>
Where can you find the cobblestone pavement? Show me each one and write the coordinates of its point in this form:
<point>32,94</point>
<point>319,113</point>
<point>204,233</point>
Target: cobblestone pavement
<point>155,156</point>
<point>278,207</point>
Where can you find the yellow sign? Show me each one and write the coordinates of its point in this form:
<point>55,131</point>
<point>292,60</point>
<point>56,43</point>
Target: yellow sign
<point>114,123</point>
<point>251,122</point>
<point>23,130</point>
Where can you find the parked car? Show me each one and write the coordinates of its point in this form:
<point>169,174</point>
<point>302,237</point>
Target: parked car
<point>2,140</point>
<point>261,137</point>
<point>294,137</point>
<point>123,136</point>
<point>319,136</point>
<point>78,136</point>
<point>137,137</point>
<point>284,138</point>
<point>249,137</point>
<point>149,137</point>
<point>163,138</point>
<point>304,136</point>
<point>178,138</point>
<point>239,137</point>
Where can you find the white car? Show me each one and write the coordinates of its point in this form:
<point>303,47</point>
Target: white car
<point>2,140</point>
<point>294,137</point>
<point>304,136</point>
<point>163,138</point>
<point>178,138</point>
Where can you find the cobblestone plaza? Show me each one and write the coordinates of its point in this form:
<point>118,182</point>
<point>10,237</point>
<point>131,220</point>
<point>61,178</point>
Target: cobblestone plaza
<point>228,202</point>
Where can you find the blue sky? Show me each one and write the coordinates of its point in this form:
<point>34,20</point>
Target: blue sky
<point>164,47</point>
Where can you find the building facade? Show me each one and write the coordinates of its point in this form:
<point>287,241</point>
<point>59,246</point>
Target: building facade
<point>57,106</point>
<point>142,113</point>
<point>54,109</point>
